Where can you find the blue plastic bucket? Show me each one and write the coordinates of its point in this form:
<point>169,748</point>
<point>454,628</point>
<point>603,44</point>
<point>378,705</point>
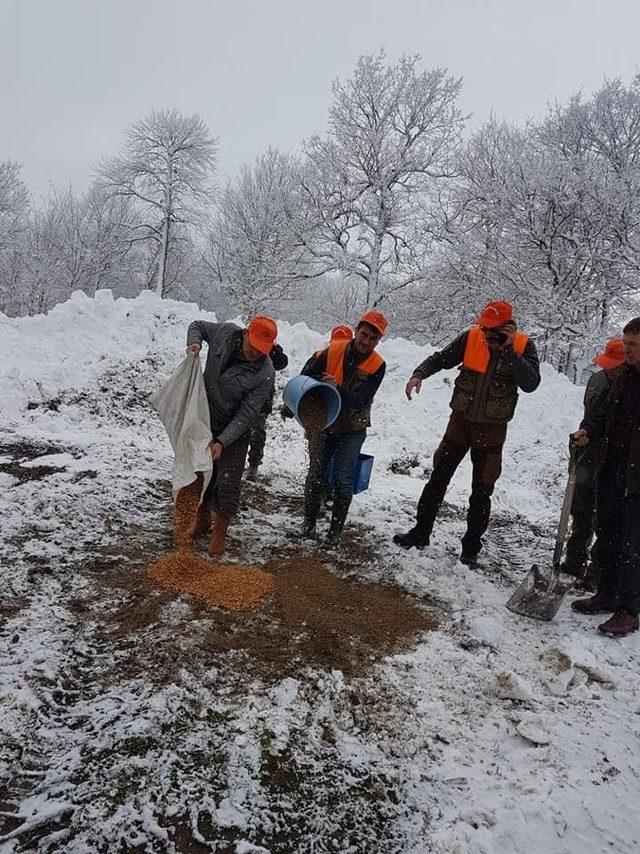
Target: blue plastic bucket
<point>296,389</point>
<point>361,475</point>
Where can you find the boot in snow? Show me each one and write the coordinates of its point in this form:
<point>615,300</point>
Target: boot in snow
<point>621,624</point>
<point>311,510</point>
<point>341,504</point>
<point>219,535</point>
<point>252,474</point>
<point>600,603</point>
<point>413,538</point>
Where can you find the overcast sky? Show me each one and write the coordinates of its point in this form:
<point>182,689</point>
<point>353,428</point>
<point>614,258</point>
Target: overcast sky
<point>75,73</point>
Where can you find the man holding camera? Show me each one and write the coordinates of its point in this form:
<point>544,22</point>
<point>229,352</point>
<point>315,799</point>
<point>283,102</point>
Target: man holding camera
<point>495,360</point>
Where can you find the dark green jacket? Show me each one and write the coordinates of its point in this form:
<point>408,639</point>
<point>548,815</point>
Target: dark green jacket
<point>488,398</point>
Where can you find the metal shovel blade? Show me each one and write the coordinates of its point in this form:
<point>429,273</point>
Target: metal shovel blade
<point>540,596</point>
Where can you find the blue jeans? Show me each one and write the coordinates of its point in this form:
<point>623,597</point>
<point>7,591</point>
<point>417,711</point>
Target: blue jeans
<point>345,447</point>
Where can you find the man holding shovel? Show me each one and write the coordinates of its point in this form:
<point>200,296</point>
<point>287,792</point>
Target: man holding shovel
<point>583,508</point>
<point>356,370</point>
<point>495,360</point>
<point>617,424</point>
<point>239,378</point>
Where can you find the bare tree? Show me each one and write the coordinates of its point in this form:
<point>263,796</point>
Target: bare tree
<point>254,251</point>
<point>392,133</point>
<point>164,168</point>
<point>14,209</point>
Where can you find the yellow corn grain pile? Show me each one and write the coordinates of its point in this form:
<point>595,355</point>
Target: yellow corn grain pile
<point>235,587</point>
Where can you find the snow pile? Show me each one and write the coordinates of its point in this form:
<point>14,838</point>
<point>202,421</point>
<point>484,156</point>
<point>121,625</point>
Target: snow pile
<point>494,735</point>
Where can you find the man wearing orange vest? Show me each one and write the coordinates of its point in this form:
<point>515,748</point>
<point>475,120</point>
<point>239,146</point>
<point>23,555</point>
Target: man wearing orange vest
<point>495,361</point>
<point>356,370</point>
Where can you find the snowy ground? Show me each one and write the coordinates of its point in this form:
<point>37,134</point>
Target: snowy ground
<point>133,720</point>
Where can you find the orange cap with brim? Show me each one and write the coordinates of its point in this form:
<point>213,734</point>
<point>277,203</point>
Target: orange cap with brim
<point>613,355</point>
<point>262,334</point>
<point>495,314</point>
<point>376,319</point>
<point>341,333</point>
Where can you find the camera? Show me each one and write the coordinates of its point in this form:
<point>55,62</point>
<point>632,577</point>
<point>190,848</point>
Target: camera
<point>498,338</point>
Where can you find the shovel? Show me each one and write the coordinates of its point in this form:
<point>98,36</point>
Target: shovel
<point>540,595</point>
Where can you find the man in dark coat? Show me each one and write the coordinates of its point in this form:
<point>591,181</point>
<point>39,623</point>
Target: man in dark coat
<point>583,508</point>
<point>239,378</point>
<point>495,360</point>
<point>617,424</point>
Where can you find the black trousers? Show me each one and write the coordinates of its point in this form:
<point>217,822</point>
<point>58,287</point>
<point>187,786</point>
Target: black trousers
<point>258,439</point>
<point>485,442</point>
<point>225,486</point>
<point>618,530</point>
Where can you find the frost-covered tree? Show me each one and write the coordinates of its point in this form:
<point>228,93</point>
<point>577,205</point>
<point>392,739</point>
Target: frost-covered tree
<point>164,168</point>
<point>254,251</point>
<point>370,180</point>
<point>14,208</point>
<point>547,216</point>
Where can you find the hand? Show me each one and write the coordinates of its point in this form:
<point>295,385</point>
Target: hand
<point>331,380</point>
<point>580,438</point>
<point>194,350</point>
<point>414,384</point>
<point>509,330</point>
<point>285,412</point>
<point>216,451</point>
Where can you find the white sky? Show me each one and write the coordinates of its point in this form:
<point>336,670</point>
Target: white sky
<point>75,73</point>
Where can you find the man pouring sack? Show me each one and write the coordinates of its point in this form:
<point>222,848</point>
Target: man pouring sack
<point>239,378</point>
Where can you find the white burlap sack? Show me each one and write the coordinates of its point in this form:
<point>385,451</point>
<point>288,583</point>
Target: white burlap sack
<point>182,406</point>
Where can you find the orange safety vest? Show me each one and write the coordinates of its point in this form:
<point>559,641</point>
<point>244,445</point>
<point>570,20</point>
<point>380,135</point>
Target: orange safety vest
<point>477,353</point>
<point>335,361</point>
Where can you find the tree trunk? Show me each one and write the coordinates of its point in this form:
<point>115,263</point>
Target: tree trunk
<point>162,262</point>
<point>373,275</point>
<point>164,245</point>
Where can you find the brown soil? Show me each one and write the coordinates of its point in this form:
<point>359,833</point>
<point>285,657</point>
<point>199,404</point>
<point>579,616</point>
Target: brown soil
<point>312,412</point>
<point>229,586</point>
<point>320,614</point>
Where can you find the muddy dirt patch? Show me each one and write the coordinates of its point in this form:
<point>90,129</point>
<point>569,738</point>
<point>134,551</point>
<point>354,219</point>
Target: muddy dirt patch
<point>312,618</point>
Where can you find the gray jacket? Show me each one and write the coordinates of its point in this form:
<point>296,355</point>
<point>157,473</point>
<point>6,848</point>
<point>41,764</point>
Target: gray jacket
<point>237,395</point>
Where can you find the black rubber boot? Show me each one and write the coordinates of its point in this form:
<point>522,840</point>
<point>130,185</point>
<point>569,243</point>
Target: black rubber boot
<point>252,474</point>
<point>311,510</point>
<point>341,504</point>
<point>414,538</point>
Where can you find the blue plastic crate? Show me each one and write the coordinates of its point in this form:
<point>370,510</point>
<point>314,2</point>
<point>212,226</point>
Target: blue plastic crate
<point>361,475</point>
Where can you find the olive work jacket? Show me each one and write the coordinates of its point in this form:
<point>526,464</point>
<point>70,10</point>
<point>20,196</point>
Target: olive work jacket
<point>490,397</point>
